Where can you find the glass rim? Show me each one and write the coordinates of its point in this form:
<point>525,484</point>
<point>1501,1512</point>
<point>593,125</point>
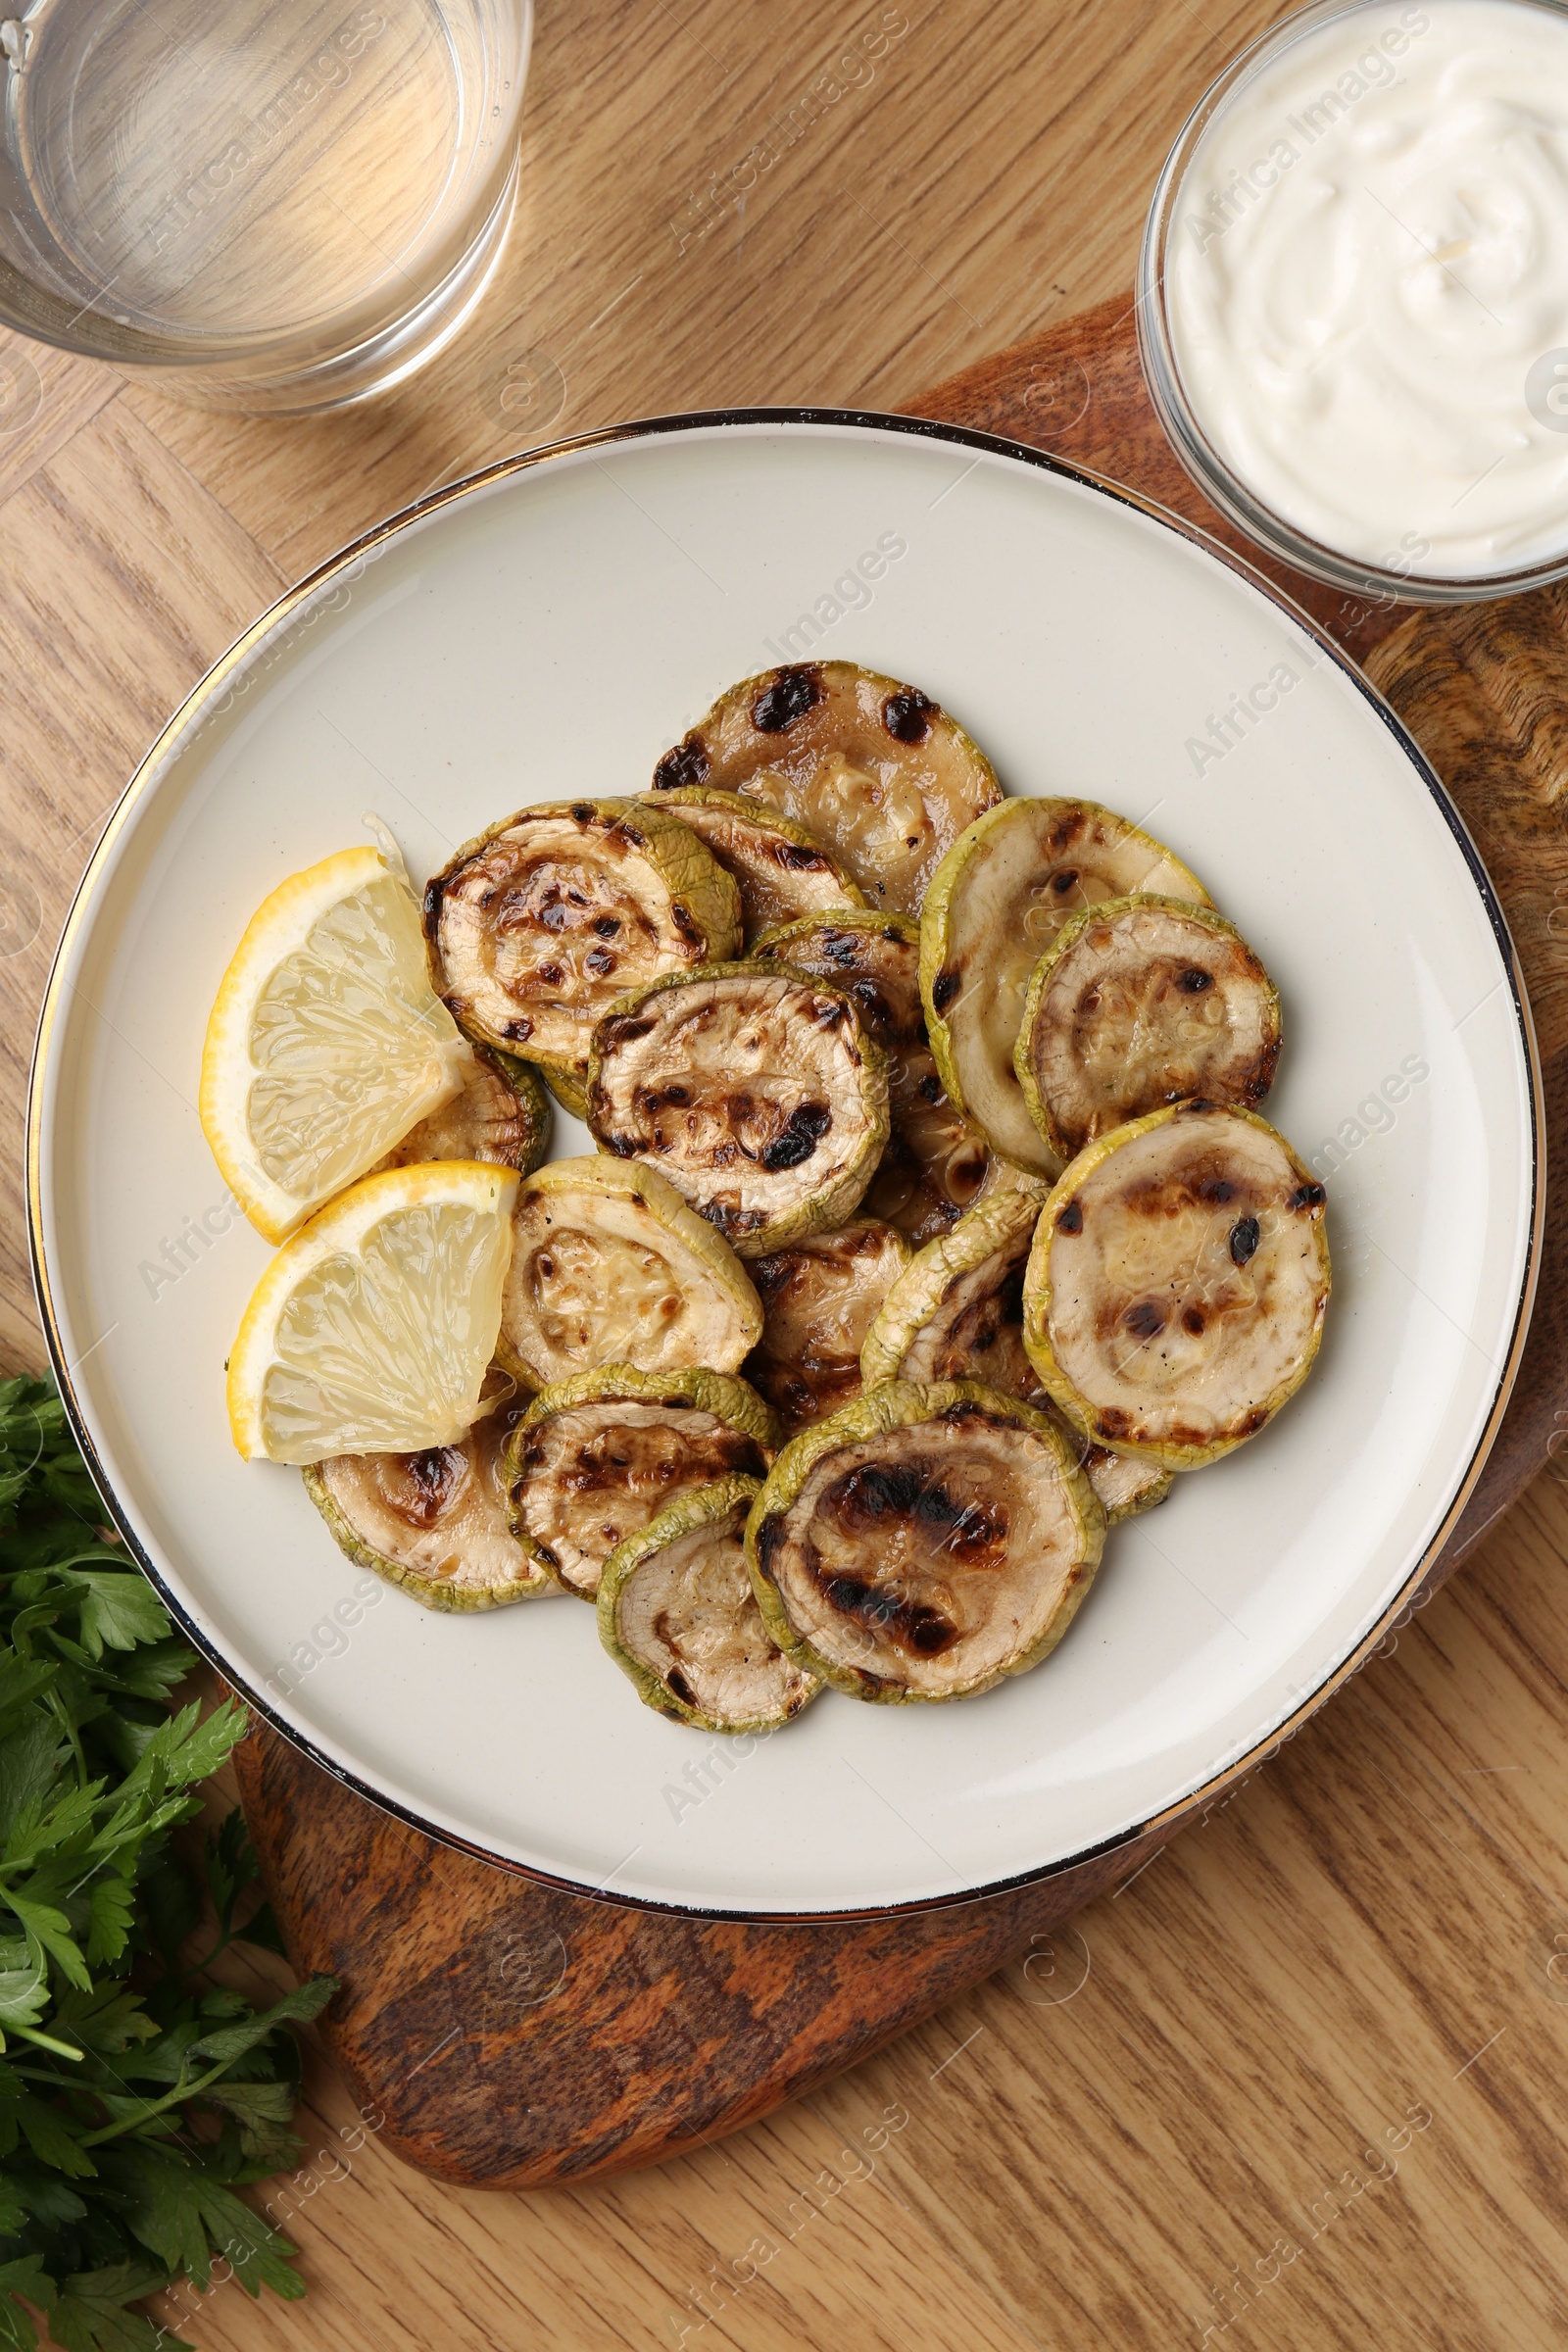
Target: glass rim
<point>1225,489</point>
<point>254,368</point>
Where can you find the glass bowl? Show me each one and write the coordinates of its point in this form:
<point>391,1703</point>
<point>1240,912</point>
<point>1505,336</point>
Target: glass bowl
<point>1392,580</point>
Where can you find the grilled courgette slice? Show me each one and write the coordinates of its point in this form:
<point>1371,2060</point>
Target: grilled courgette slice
<point>934,1163</point>
<point>436,1522</point>
<point>1175,1293</point>
<point>997,901</point>
<point>569,1087</point>
<point>1126,1486</point>
<point>781,870</point>
<point>608,1265</point>
<point>876,770</point>
<point>502,1114</point>
<point>677,1613</point>
<point>596,1457</point>
<point>924,1541</point>
<point>753,1087</point>
<point>539,924</point>
<point>820,1299</point>
<point>1139,1003</point>
<point>957,1313</point>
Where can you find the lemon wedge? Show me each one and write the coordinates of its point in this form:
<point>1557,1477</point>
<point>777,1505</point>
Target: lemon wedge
<point>372,1329</point>
<point>326,1042</point>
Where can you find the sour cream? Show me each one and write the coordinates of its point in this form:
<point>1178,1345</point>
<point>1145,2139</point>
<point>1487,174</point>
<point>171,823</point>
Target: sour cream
<point>1367,285</point>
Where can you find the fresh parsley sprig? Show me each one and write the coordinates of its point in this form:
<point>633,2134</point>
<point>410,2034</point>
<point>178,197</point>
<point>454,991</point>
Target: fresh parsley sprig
<point>135,2095</point>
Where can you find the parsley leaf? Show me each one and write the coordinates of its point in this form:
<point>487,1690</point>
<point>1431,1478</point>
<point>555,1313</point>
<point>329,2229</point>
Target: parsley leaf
<point>111,2052</point>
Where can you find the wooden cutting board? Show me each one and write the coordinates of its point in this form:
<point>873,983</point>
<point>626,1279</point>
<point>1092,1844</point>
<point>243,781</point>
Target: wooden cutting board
<point>515,2036</point>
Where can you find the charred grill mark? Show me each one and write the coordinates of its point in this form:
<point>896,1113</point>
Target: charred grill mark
<point>791,1395</point>
<point>1245,1235</point>
<point>874,1009</point>
<point>1068,830</point>
<point>1112,1423</point>
<point>598,1466</point>
<point>943,988</point>
<point>1250,1423</point>
<point>520,1030</point>
<point>730,1220</point>
<point>772,1277</point>
<point>788,696</point>
<point>769,1542</point>
<point>582,811</point>
<point>433,894</point>
<point>1194,982</point>
<point>1215,1190</point>
<point>431,1478</point>
<point>682,917</point>
<point>1193,1321</point>
<point>875,1495</point>
<point>680,1687</point>
<point>1308,1195</point>
<point>600,962</point>
<point>1145,1319</point>
<point>1065,880</point>
<point>648,1102</point>
<point>797,1141</point>
<point>687,763</point>
<point>608,926</point>
<point>862,1499</point>
<point>798,856</point>
<point>624,1029</point>
<point>1070,1217</point>
<point>909,1624</point>
<point>609,1461</point>
<point>908,715</point>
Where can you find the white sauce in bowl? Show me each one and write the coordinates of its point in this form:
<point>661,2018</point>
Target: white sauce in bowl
<point>1366,283</point>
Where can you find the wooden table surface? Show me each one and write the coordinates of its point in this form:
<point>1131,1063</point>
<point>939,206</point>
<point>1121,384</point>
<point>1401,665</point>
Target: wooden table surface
<point>1298,2086</point>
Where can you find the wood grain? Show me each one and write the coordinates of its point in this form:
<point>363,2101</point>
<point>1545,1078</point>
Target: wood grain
<point>1108,2140</point>
<point>674,2030</point>
<point>1104,2160</point>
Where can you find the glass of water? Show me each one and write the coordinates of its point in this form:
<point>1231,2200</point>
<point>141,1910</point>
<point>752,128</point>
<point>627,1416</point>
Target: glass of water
<point>276,205</point>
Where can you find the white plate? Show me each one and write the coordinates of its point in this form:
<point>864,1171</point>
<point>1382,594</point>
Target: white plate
<point>551,628</point>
